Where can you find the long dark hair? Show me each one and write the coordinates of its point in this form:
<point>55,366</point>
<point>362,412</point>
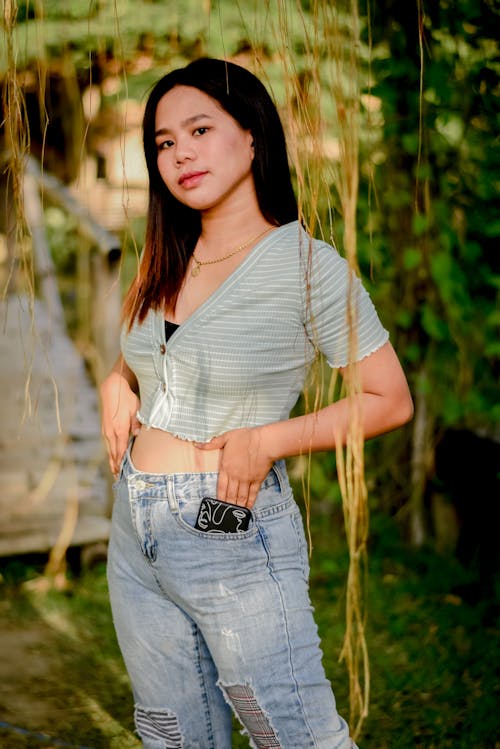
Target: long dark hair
<point>172,228</point>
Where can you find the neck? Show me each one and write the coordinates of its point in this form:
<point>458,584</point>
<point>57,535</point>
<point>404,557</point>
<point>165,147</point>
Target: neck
<point>231,226</point>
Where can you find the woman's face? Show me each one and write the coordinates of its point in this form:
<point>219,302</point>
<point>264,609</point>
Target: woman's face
<point>204,155</point>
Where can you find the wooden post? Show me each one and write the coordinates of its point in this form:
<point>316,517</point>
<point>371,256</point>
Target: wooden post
<point>33,212</point>
<point>106,311</point>
<point>105,294</point>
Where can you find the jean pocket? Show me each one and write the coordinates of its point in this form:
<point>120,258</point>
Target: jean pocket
<point>187,516</point>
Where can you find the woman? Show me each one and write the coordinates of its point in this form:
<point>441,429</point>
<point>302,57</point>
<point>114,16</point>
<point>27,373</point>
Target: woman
<point>231,303</point>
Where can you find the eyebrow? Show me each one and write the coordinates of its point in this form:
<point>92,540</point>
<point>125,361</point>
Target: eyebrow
<point>184,123</point>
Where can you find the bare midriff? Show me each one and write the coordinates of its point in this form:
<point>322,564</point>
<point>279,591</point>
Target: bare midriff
<point>156,451</point>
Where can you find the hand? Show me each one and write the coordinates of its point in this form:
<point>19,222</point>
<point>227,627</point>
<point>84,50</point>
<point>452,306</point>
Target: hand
<point>244,464</point>
<point>119,420</point>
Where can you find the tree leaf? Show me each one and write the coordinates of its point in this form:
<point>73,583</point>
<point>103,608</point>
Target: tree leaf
<point>412,258</point>
<point>433,325</point>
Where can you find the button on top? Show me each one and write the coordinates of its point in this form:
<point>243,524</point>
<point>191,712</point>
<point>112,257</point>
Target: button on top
<point>163,348</point>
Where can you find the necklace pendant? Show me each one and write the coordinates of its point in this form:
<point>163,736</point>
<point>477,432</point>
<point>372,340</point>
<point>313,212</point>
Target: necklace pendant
<point>195,270</point>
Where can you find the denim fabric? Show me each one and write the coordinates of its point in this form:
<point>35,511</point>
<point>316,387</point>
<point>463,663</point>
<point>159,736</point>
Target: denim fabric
<point>207,623</point>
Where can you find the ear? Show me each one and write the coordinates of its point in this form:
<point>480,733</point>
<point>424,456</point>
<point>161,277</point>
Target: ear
<point>251,143</point>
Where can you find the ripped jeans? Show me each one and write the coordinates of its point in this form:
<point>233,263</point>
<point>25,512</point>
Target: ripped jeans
<point>209,623</point>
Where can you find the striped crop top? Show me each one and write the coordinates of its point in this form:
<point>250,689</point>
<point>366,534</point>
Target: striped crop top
<point>240,360</point>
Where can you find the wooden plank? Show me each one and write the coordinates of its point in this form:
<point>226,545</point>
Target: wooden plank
<point>89,530</point>
<point>51,452</point>
<point>108,244</point>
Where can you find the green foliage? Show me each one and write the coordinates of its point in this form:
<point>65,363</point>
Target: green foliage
<point>412,648</point>
<point>175,31</point>
<point>436,210</point>
<point>62,236</point>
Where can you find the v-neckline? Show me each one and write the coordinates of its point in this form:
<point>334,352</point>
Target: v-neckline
<point>228,282</point>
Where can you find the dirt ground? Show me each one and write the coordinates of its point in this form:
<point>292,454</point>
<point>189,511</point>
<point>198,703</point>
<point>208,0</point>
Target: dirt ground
<point>27,693</point>
<point>56,689</point>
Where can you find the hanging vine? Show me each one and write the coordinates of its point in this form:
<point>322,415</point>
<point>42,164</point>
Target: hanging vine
<point>330,68</point>
<point>17,142</point>
<point>328,64</point>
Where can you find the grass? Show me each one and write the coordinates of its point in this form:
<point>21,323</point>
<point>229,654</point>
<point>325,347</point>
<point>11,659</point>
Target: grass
<point>433,655</point>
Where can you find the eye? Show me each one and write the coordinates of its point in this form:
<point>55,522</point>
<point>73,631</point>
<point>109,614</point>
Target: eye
<point>201,130</point>
<point>165,144</point>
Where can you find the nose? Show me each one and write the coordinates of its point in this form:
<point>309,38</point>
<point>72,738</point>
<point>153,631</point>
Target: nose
<point>184,151</point>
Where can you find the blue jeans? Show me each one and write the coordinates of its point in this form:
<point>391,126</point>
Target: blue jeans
<point>207,623</point>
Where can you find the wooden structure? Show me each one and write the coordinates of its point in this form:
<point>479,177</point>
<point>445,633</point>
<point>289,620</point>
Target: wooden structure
<point>54,476</point>
<point>54,490</point>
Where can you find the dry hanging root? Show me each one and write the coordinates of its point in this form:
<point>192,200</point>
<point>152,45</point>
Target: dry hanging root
<point>350,468</point>
<point>330,37</point>
<point>332,45</point>
<point>16,133</point>
<point>350,462</point>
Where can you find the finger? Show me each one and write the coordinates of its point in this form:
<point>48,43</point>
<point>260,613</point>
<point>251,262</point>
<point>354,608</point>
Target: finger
<point>121,444</point>
<point>113,467</point>
<point>113,450</point>
<point>232,493</point>
<point>113,459</point>
<point>120,453</point>
<point>216,443</point>
<point>252,494</point>
<point>222,483</point>
<point>110,449</point>
<point>243,494</point>
<point>116,445</point>
<point>135,426</point>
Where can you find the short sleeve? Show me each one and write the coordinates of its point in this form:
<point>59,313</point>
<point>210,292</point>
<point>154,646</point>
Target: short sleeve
<point>340,318</point>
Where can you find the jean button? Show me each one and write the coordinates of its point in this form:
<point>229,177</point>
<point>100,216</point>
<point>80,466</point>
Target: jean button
<point>163,348</point>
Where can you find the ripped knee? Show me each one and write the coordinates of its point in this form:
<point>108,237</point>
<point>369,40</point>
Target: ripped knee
<point>255,721</point>
<point>158,729</point>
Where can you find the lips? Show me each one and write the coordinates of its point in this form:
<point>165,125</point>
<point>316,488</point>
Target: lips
<point>191,179</point>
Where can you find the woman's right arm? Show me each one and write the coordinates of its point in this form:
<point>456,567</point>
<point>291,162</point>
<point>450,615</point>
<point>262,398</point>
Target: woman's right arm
<point>119,405</point>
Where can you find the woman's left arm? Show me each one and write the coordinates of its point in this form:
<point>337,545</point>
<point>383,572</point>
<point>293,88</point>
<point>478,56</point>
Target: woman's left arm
<point>248,454</point>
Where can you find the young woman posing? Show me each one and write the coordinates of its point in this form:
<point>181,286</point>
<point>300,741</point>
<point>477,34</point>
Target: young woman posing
<point>230,305</point>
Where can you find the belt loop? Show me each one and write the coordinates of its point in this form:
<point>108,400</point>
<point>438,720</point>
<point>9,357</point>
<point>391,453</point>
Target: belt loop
<point>123,472</point>
<point>126,464</point>
<point>280,473</point>
<point>171,495</point>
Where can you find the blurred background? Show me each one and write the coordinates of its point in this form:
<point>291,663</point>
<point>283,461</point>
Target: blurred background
<point>404,95</point>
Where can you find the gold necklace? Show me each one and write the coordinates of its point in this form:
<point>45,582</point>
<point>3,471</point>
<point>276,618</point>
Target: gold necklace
<point>195,270</point>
